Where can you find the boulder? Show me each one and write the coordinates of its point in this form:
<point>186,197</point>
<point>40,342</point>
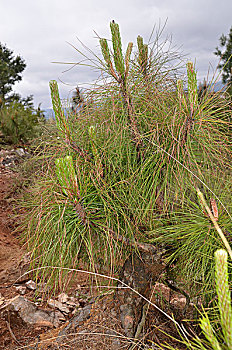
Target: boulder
<point>20,310</point>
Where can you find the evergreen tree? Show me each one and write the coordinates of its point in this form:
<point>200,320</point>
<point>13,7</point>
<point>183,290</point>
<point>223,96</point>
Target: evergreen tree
<point>10,72</point>
<point>19,121</point>
<point>225,53</point>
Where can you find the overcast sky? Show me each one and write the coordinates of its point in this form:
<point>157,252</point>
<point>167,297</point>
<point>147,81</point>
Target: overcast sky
<point>40,31</point>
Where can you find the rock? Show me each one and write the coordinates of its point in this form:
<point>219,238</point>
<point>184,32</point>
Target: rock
<point>161,289</point>
<point>60,315</point>
<point>21,289</point>
<point>137,273</point>
<point>20,310</point>
<point>58,336</point>
<point>9,161</point>
<point>31,285</point>
<point>63,298</point>
<point>78,291</point>
<point>56,304</point>
<point>72,302</point>
<point>20,152</point>
<point>75,322</point>
<point>179,302</point>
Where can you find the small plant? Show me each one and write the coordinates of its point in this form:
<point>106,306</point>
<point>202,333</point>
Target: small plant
<point>61,122</point>
<point>125,168</point>
<point>67,177</point>
<point>224,304</point>
<point>143,55</point>
<point>18,123</point>
<point>217,332</point>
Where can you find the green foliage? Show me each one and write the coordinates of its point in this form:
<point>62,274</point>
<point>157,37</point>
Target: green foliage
<point>223,293</point>
<point>218,336</point>
<point>139,147</point>
<point>215,322</point>
<point>143,54</point>
<point>127,57</point>
<point>192,87</point>
<point>67,177</point>
<point>120,71</point>
<point>117,46</point>
<point>19,120</point>
<point>10,72</point>
<point>106,52</point>
<point>19,123</point>
<point>225,54</point>
<point>59,112</point>
<point>209,333</point>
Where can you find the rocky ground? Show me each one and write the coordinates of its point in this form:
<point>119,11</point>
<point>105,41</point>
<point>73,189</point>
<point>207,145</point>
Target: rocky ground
<point>82,318</point>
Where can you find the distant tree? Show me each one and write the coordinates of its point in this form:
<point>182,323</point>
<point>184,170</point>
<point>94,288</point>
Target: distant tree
<point>40,113</point>
<point>77,99</point>
<point>202,89</point>
<point>11,69</point>
<point>225,53</point>
<point>19,121</point>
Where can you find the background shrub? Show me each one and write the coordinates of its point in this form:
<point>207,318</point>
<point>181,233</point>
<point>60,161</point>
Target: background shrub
<point>19,123</point>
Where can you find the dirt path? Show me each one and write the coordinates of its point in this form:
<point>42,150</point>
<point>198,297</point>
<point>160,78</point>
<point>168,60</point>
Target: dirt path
<point>10,250</point>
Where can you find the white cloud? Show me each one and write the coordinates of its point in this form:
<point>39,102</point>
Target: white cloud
<point>39,31</point>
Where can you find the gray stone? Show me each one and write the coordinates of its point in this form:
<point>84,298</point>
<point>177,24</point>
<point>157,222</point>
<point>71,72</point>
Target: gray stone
<point>63,298</point>
<point>21,310</point>
<point>60,315</point>
<point>21,289</point>
<point>72,302</point>
<point>56,304</point>
<point>20,152</point>
<point>76,320</point>
<point>31,285</point>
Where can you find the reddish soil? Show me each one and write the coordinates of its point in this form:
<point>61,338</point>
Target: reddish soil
<point>10,250</point>
<point>11,253</point>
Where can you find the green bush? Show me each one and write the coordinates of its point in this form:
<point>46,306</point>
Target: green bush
<point>19,123</point>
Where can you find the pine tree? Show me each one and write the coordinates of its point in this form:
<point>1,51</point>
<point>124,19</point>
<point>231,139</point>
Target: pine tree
<point>225,53</point>
<point>10,72</point>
